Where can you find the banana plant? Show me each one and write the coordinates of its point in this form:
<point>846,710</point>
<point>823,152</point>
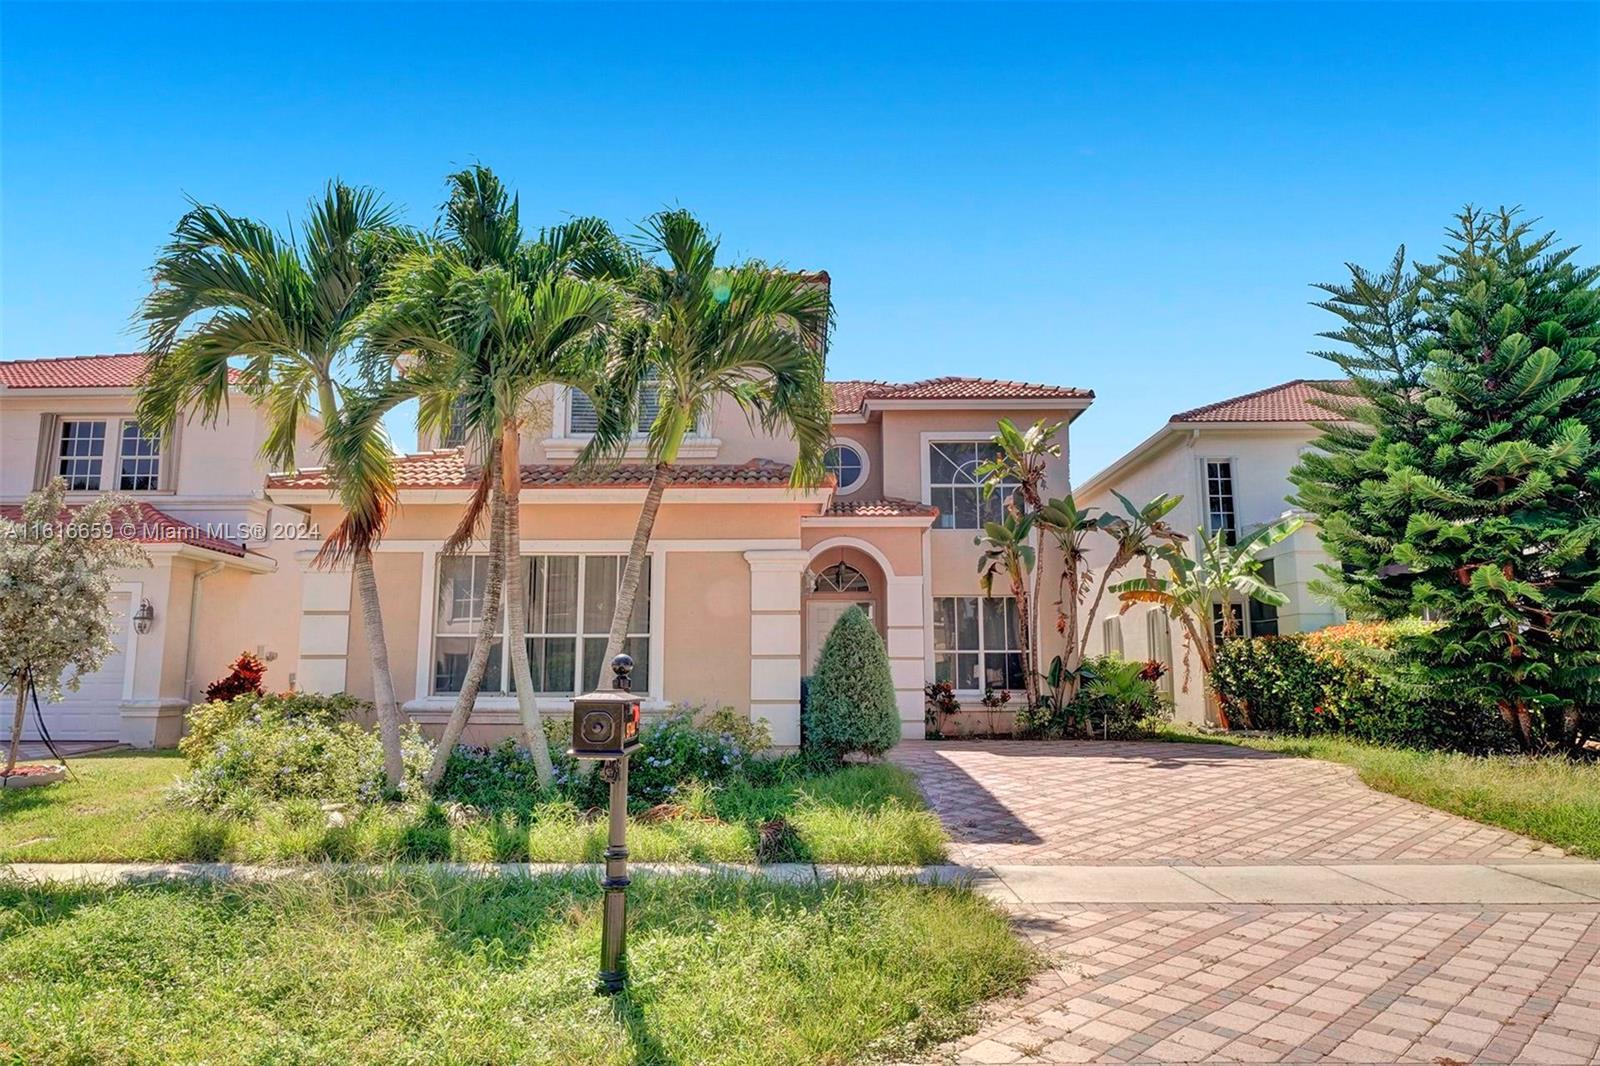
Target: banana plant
<point>1220,575</point>
<point>1007,553</point>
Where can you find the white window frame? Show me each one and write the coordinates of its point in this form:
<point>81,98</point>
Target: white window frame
<point>982,650</point>
<point>565,444</point>
<point>860,452</point>
<point>1233,490</point>
<point>928,440</point>
<point>111,456</point>
<point>1111,636</point>
<point>504,699</point>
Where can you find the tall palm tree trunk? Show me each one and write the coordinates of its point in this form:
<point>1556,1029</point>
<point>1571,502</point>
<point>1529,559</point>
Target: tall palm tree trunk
<point>517,609</point>
<point>382,681</point>
<point>628,593</point>
<point>478,665</point>
<point>372,619</point>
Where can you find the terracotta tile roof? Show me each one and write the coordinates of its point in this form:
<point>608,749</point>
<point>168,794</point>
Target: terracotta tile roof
<point>884,508</point>
<point>448,469</point>
<point>848,396</point>
<point>119,371</point>
<point>1293,401</point>
<point>148,525</point>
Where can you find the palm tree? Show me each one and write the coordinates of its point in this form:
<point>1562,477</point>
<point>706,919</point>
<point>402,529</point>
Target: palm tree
<point>1007,553</point>
<point>1138,533</point>
<point>751,333</point>
<point>490,317</point>
<point>1069,526</point>
<point>1020,459</point>
<point>1193,588</point>
<point>232,296</point>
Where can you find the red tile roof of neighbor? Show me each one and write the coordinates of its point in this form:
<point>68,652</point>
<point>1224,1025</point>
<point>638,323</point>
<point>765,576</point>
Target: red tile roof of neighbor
<point>884,508</point>
<point>1293,401</point>
<point>848,396</point>
<point>120,371</point>
<point>148,525</point>
<point>448,469</point>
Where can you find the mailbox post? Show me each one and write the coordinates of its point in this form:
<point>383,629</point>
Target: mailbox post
<point>605,726</point>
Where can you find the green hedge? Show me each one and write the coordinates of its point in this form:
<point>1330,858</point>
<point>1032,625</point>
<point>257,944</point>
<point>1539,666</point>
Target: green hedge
<point>1363,679</point>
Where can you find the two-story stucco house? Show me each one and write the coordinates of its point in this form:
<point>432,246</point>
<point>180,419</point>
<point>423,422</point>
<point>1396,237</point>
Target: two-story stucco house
<point>1230,461</point>
<point>223,576</point>
<point>746,576</point>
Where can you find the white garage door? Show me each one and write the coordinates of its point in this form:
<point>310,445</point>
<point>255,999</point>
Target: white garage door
<point>94,712</point>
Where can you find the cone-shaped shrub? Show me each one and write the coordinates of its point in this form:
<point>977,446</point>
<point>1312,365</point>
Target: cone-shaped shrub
<point>850,705</point>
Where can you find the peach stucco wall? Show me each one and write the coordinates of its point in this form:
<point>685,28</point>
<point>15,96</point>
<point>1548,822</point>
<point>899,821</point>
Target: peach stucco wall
<point>707,639</point>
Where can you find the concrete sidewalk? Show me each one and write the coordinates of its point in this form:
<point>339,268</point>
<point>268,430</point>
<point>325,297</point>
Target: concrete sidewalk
<point>1027,885</point>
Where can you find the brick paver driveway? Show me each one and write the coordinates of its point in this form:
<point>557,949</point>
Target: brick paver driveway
<point>1226,982</point>
<point>1130,803</point>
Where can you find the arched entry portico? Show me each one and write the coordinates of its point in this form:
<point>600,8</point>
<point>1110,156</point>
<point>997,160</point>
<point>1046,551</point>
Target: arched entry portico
<point>899,607</point>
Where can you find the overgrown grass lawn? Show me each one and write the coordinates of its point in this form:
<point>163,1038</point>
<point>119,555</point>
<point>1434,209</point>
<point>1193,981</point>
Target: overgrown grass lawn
<point>393,968</point>
<point>117,811</point>
<point>1551,799</point>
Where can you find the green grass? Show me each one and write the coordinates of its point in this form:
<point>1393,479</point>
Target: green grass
<point>393,968</point>
<point>117,811</point>
<point>1550,799</point>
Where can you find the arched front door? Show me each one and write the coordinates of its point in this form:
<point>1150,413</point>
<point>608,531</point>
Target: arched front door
<point>839,585</point>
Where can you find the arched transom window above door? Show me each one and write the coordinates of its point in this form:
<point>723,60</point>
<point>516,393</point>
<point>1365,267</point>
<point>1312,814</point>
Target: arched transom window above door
<point>842,577</point>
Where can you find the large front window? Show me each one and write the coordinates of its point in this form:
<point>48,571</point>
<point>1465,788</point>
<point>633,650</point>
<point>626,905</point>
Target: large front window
<point>975,642</point>
<point>955,488</point>
<point>569,601</point>
<point>81,453</point>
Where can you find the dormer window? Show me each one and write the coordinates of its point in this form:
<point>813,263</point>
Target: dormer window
<point>81,454</point>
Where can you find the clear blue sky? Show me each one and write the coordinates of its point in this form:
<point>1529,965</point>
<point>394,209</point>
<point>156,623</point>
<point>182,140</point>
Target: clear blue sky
<point>1132,198</point>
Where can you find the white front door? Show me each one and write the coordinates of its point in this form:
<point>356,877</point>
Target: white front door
<point>820,618</point>
<point>94,712</point>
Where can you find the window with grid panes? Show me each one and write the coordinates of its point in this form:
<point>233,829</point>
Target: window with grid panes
<point>955,488</point>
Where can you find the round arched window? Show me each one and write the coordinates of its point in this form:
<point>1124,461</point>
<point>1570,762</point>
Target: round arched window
<point>848,465</point>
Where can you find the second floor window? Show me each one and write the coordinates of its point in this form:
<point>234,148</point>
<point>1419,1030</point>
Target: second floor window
<point>457,435</point>
<point>582,420</point>
<point>85,445</point>
<point>954,486</point>
<point>1221,515</point>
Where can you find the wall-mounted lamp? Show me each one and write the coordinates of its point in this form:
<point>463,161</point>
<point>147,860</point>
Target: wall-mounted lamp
<point>144,617</point>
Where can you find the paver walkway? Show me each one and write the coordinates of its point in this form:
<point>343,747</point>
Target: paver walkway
<point>1171,981</point>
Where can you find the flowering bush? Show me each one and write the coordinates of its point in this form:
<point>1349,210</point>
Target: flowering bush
<point>688,745</point>
<point>1362,679</point>
<point>259,749</point>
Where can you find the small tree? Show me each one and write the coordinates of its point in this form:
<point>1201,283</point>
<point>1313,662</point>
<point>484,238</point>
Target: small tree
<point>56,571</point>
<point>1220,576</point>
<point>1007,553</point>
<point>850,705</point>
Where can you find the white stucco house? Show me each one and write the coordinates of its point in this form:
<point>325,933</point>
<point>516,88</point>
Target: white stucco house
<point>1230,461</point>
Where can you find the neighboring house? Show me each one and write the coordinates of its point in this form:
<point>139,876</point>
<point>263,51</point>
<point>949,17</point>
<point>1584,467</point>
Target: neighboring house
<point>222,576</point>
<point>745,576</point>
<point>1230,461</point>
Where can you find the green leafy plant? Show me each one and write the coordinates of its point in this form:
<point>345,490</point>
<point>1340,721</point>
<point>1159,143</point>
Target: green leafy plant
<point>1222,575</point>
<point>262,749</point>
<point>850,705</point>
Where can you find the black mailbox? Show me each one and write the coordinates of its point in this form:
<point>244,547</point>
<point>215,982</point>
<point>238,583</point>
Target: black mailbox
<point>605,725</point>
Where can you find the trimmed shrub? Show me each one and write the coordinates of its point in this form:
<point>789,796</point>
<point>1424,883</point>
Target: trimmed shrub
<point>850,706</point>
<point>1367,680</point>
